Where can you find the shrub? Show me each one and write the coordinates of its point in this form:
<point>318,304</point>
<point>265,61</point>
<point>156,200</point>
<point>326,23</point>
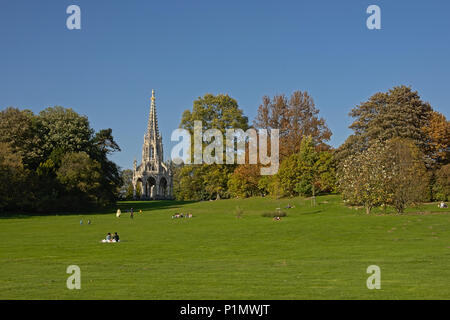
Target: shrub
<point>274,214</point>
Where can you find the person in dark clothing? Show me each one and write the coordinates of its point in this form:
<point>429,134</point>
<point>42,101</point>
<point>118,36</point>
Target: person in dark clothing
<point>131,213</point>
<point>116,237</point>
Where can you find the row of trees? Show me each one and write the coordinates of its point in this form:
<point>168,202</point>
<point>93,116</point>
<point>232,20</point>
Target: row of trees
<point>307,164</point>
<point>398,154</point>
<point>54,161</point>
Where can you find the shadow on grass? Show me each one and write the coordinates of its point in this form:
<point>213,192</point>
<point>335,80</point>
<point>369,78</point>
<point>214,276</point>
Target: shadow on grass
<point>311,212</point>
<point>124,206</point>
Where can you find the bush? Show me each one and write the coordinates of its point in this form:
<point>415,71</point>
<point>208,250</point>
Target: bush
<point>274,214</point>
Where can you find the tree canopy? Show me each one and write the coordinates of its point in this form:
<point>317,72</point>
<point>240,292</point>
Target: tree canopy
<point>63,161</point>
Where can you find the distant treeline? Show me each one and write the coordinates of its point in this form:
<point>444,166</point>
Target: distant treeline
<point>54,161</point>
<point>398,154</point>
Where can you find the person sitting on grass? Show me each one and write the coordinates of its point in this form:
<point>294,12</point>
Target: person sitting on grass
<point>116,237</point>
<point>276,219</point>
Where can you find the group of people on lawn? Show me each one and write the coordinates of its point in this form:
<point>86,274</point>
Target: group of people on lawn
<point>180,215</point>
<point>110,238</point>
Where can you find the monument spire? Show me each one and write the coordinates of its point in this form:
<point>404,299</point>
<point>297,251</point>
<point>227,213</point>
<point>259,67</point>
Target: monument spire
<point>152,130</point>
<point>152,178</point>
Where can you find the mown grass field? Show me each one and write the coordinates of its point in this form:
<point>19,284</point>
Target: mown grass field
<point>317,252</point>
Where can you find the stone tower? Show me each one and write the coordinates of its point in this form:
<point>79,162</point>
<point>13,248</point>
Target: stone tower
<point>152,179</point>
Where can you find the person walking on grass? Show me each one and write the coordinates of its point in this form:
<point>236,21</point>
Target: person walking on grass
<point>131,213</point>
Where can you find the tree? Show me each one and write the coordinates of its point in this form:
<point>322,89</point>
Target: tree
<point>288,176</point>
<point>219,112</point>
<point>387,173</point>
<point>437,135</point>
<point>65,129</point>
<point>195,182</point>
<point>191,184</point>
<point>216,180</point>
<point>309,176</point>
<point>442,185</point>
<point>407,175</point>
<point>104,142</point>
<point>244,181</point>
<point>42,143</point>
<point>81,177</point>
<point>361,178</point>
<point>400,112</point>
<point>307,172</point>
<point>296,118</point>
<point>20,130</point>
<point>12,179</point>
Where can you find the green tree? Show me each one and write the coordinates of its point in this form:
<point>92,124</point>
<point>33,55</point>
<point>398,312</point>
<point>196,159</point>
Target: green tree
<point>219,112</point>
<point>64,129</point>
<point>12,179</point>
<point>195,182</point>
<point>442,184</point>
<point>407,178</point>
<point>81,177</point>
<point>307,172</point>
<point>20,130</point>
<point>400,112</point>
<point>42,143</point>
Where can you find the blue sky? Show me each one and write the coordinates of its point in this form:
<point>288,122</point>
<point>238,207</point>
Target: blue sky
<point>184,49</point>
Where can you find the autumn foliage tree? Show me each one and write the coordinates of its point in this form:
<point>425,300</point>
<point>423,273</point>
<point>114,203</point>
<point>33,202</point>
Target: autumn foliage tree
<point>437,138</point>
<point>296,117</point>
<point>244,182</point>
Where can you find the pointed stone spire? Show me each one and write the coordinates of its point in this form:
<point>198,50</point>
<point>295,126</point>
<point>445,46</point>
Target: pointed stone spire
<point>152,130</point>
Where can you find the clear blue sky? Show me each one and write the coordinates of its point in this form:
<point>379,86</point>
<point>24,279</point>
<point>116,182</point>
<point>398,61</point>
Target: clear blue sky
<point>184,49</point>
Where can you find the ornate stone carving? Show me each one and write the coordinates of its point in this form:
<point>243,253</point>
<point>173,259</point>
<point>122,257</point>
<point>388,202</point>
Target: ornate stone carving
<point>153,176</point>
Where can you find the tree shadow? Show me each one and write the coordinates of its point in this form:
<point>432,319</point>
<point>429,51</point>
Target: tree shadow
<point>150,205</point>
<point>311,212</point>
<point>124,206</point>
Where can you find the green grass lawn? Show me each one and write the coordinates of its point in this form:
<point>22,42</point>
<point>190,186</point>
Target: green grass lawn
<point>317,252</point>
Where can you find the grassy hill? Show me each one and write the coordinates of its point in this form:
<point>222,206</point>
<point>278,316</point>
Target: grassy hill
<point>319,252</point>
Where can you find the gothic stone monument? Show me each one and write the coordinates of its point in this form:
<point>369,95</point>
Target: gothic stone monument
<point>152,178</point>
